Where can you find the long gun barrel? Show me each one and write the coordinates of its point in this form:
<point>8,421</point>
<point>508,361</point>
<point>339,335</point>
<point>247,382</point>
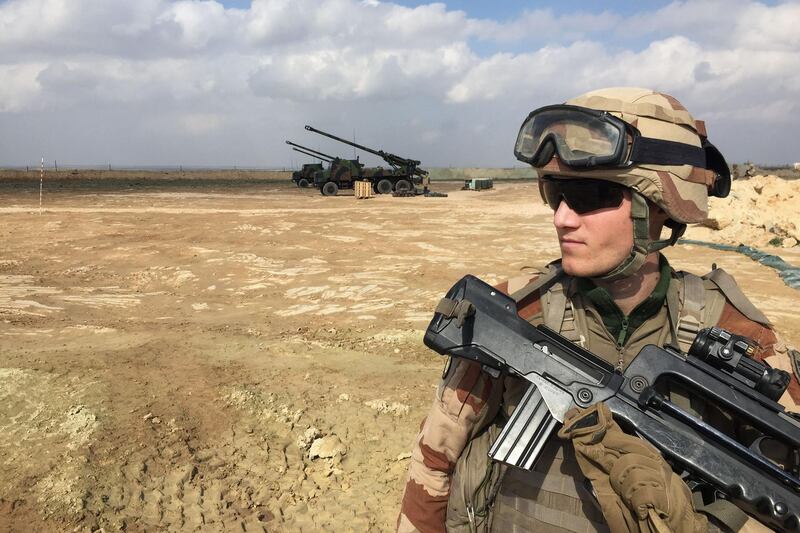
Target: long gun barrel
<point>323,158</point>
<point>394,160</point>
<point>477,322</point>
<point>315,152</point>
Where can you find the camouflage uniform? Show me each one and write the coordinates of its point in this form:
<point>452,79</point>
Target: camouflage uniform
<point>469,402</point>
<point>451,483</point>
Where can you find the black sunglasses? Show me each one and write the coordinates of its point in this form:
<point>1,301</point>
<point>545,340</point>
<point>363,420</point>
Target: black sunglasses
<point>582,195</point>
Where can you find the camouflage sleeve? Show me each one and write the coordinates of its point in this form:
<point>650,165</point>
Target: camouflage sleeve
<point>467,399</point>
<point>772,351</point>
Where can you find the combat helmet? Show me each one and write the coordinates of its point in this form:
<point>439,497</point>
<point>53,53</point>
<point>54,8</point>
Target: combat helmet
<point>639,138</point>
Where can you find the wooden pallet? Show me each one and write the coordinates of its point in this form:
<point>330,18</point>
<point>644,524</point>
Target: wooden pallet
<point>363,190</point>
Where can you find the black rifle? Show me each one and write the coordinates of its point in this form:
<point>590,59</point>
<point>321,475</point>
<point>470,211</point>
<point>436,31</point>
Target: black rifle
<point>482,324</point>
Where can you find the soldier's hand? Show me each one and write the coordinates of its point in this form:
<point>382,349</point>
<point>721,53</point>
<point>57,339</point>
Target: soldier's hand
<point>636,488</point>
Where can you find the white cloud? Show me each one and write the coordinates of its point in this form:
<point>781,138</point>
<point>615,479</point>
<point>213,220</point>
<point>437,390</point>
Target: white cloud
<point>769,28</point>
<point>200,23</point>
<point>542,25</point>
<point>201,123</point>
<point>19,89</point>
<point>55,29</point>
<point>30,22</point>
<point>349,74</point>
<point>279,21</point>
<point>419,77</point>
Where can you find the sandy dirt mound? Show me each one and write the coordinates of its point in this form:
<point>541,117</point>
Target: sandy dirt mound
<point>248,359</point>
<point>761,211</point>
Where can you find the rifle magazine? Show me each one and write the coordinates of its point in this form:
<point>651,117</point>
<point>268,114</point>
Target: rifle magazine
<point>522,439</point>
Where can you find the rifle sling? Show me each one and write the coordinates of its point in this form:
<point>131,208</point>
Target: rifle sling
<point>459,309</point>
<point>723,511</point>
<point>542,283</point>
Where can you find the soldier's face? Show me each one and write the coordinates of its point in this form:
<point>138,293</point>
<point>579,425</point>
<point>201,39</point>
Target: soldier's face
<point>593,243</point>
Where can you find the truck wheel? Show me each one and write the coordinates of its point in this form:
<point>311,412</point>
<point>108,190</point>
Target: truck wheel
<point>302,183</point>
<point>384,186</point>
<point>330,189</point>
<point>402,186</point>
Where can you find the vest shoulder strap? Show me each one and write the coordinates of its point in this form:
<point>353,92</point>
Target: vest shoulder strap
<point>693,303</point>
<point>727,285</point>
<point>691,309</point>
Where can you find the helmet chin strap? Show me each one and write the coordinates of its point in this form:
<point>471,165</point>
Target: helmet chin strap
<point>642,244</point>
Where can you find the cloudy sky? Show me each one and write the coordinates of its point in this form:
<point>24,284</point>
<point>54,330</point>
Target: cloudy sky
<point>223,83</point>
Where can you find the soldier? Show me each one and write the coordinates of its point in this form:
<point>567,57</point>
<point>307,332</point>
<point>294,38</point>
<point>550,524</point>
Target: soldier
<point>617,166</point>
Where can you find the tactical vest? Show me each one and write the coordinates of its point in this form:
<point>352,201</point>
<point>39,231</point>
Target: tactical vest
<point>555,497</point>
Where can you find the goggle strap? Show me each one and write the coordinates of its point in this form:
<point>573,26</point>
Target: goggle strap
<point>663,152</point>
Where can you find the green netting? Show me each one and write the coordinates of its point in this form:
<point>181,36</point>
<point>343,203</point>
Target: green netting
<point>788,273</point>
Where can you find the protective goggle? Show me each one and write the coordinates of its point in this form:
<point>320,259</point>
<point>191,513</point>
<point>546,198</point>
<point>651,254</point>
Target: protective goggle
<point>585,138</point>
<point>581,195</point>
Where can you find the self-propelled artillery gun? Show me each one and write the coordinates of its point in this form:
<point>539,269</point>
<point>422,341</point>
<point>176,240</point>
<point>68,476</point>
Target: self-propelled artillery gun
<point>401,177</point>
<point>340,174</point>
<point>305,176</point>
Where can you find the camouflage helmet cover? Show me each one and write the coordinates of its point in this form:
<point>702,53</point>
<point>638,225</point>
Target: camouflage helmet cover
<point>680,190</point>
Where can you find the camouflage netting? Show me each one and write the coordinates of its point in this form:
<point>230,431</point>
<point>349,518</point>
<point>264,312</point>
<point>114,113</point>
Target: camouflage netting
<point>790,274</point>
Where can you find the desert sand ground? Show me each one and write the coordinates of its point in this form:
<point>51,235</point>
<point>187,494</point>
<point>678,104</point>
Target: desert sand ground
<point>244,359</point>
